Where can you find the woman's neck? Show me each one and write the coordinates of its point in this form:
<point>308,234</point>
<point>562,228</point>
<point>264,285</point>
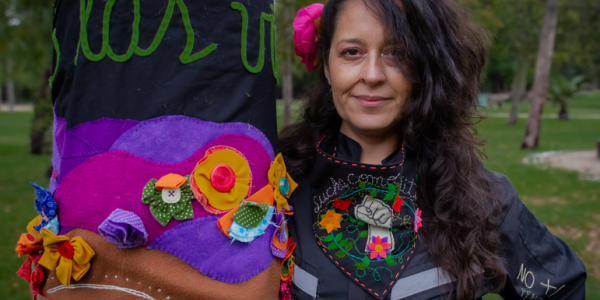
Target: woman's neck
<point>375,147</point>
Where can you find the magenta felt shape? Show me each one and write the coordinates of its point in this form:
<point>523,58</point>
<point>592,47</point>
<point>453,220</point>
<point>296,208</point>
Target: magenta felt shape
<point>115,179</point>
<point>305,36</point>
<point>178,137</point>
<point>201,244</point>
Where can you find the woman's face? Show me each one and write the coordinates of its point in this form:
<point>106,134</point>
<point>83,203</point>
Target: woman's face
<point>369,91</point>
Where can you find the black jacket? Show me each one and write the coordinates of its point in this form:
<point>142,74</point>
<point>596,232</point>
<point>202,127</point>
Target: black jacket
<point>538,264</point>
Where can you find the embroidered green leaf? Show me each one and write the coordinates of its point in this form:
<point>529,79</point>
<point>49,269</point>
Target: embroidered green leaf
<point>394,229</point>
<point>348,247</point>
<point>362,185</point>
<point>360,223</point>
<point>328,238</point>
<point>338,237</point>
<point>343,242</point>
<point>388,197</point>
<point>373,193</point>
<point>360,266</point>
<point>363,234</point>
<point>353,220</point>
<point>390,261</point>
<point>341,254</point>
<point>391,188</point>
<point>332,246</point>
<point>366,260</point>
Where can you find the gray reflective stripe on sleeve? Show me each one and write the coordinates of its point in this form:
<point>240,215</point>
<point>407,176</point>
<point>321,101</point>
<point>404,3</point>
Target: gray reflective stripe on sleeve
<point>305,281</point>
<point>418,283</point>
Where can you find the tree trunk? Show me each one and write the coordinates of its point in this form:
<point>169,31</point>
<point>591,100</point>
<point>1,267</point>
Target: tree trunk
<point>10,95</point>
<point>518,89</point>
<point>42,117</point>
<point>288,88</point>
<point>1,97</point>
<point>563,114</point>
<point>542,75</point>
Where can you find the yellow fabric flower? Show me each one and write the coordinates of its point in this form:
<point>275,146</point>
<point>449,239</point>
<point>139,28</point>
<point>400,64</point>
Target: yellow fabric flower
<point>281,180</point>
<point>70,258</point>
<point>331,221</point>
<point>222,178</point>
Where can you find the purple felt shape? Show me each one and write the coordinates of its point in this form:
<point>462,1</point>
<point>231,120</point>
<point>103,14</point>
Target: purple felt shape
<point>201,244</point>
<point>56,159</point>
<point>178,137</point>
<point>116,179</point>
<point>280,221</point>
<point>77,144</point>
<point>124,228</point>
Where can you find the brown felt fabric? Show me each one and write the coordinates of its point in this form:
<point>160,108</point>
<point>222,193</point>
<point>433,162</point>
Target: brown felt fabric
<point>157,274</point>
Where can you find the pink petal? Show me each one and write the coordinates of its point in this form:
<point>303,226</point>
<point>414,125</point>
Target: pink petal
<point>378,240</point>
<point>371,246</point>
<point>386,246</point>
<point>373,255</point>
<point>382,254</point>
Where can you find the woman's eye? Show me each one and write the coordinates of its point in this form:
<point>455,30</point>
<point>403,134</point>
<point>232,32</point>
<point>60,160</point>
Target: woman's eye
<point>351,52</point>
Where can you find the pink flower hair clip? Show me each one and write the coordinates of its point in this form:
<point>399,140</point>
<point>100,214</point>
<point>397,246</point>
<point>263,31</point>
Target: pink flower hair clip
<point>307,25</point>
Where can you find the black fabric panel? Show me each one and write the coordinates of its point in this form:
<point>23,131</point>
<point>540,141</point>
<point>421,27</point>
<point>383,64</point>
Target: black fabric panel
<point>215,88</point>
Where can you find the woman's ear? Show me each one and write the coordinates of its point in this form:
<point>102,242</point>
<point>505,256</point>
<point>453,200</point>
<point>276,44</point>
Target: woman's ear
<point>326,71</point>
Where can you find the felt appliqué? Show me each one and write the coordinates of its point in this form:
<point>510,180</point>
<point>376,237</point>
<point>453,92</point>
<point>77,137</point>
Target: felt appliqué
<point>95,179</point>
<point>46,207</point>
<point>250,214</point>
<point>162,208</point>
<point>70,258</point>
<point>213,253</point>
<point>245,234</point>
<point>207,191</point>
<point>277,172</point>
<point>124,228</point>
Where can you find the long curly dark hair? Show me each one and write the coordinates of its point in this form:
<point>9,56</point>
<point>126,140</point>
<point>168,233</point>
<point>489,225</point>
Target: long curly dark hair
<point>442,55</point>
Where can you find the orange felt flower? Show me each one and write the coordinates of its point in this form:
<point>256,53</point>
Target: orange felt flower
<point>331,221</point>
<point>282,183</point>
<point>70,258</point>
<point>30,242</point>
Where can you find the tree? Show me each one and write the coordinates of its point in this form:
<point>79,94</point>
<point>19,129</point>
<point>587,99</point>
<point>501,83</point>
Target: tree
<point>542,74</point>
<point>562,91</point>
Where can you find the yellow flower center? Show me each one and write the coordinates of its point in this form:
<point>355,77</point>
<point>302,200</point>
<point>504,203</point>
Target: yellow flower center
<point>378,248</point>
<point>330,220</point>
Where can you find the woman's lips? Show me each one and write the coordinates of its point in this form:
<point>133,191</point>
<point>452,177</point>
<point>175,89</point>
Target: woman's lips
<point>371,101</point>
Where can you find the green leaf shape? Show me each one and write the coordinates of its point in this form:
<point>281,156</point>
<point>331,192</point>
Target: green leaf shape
<point>163,212</point>
<point>363,234</point>
<point>338,237</point>
<point>391,188</point>
<point>362,185</point>
<point>343,242</point>
<point>360,223</point>
<point>348,247</point>
<point>353,220</point>
<point>285,267</point>
<point>328,238</point>
<point>250,214</point>
<point>341,254</point>
<point>332,246</point>
<point>366,260</point>
<point>390,261</point>
<point>360,266</point>
<point>373,194</point>
<point>388,197</point>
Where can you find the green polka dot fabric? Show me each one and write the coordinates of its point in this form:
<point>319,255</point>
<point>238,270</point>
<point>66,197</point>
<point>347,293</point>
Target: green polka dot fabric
<point>163,212</point>
<point>250,214</point>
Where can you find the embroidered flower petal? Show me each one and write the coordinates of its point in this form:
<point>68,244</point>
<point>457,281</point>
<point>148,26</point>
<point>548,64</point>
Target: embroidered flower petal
<point>276,172</point>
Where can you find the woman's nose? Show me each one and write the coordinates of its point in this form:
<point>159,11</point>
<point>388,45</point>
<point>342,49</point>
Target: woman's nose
<point>372,72</point>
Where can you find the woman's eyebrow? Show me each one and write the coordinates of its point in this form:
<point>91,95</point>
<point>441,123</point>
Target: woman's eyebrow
<point>351,41</point>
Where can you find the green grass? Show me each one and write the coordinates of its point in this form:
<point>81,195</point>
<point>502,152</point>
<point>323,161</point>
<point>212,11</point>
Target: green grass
<point>568,206</point>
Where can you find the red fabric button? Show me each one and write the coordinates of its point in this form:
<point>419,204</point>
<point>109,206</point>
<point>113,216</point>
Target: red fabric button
<point>65,249</point>
<point>222,178</point>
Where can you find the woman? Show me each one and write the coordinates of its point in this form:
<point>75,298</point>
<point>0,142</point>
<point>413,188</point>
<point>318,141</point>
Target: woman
<point>388,133</point>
